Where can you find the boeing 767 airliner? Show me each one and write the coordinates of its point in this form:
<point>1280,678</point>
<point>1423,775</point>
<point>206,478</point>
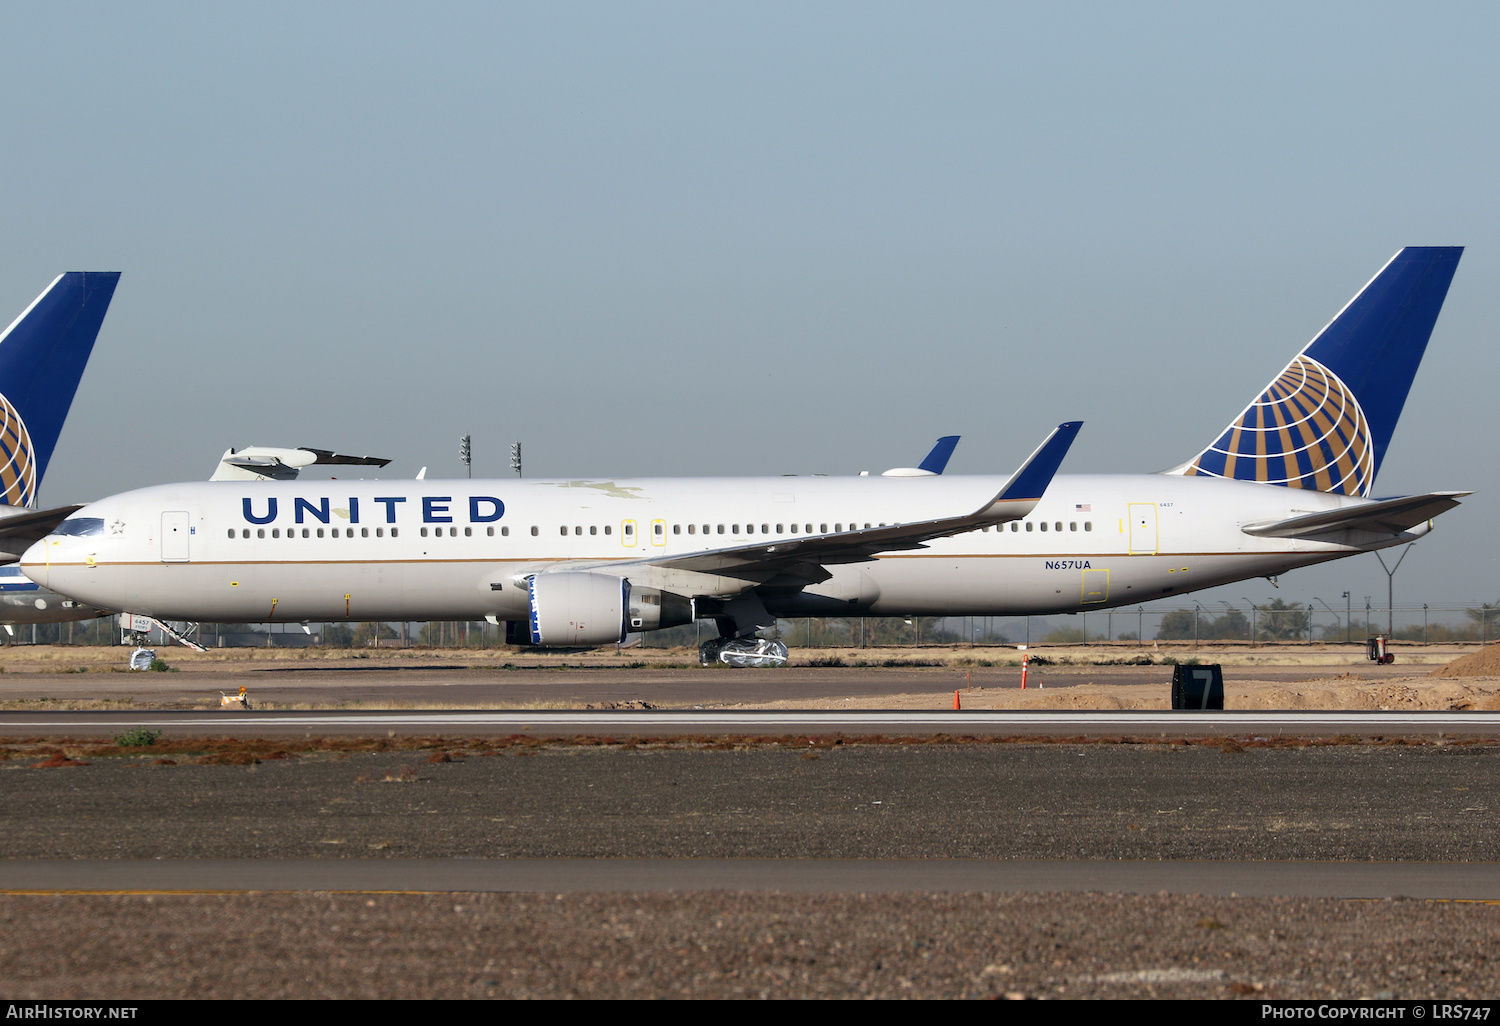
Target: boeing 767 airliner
<point>576,562</point>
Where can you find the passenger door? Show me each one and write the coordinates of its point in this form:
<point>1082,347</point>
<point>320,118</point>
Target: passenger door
<point>175,532</point>
<point>1145,539</point>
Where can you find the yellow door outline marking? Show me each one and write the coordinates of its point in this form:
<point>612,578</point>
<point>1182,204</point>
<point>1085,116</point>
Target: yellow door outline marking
<point>1098,595</point>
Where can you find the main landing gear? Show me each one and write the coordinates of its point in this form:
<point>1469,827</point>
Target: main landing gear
<point>738,620</point>
<point>741,652</point>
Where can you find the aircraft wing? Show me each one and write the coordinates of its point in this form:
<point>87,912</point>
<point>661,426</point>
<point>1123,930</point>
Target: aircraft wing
<point>805,557</point>
<point>1386,516</point>
<point>18,530</point>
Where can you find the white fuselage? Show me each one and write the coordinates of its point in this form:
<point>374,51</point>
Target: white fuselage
<point>420,550</point>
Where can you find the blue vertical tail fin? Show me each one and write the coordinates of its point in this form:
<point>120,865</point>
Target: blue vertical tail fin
<point>42,357</point>
<point>1324,423</point>
<point>937,460</point>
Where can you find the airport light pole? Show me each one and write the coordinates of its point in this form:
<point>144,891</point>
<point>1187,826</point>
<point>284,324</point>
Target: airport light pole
<point>1348,625</point>
<point>1330,609</point>
<point>465,454</point>
<point>1252,620</point>
<point>1227,606</point>
<point>1390,583</point>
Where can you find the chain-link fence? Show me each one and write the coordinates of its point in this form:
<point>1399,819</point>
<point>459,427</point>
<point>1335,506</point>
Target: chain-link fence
<point>1278,621</point>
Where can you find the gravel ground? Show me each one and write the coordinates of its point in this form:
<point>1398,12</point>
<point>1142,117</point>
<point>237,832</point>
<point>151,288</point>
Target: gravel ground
<point>1358,801</point>
<point>987,801</point>
<point>735,945</point>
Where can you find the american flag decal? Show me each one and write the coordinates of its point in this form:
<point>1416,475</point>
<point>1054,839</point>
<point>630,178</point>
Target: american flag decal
<point>1084,507</point>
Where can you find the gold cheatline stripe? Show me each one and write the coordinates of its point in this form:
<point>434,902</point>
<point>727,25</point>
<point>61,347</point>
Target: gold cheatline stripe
<point>686,555</point>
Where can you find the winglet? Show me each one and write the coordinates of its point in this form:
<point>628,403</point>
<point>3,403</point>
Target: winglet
<point>937,460</point>
<point>1028,483</point>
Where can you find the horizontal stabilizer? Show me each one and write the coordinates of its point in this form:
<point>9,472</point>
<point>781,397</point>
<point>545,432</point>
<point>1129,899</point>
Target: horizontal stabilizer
<point>1387,516</point>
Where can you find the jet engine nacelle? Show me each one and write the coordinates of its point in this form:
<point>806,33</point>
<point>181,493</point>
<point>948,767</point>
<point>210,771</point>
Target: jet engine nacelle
<point>576,607</point>
<point>651,610</point>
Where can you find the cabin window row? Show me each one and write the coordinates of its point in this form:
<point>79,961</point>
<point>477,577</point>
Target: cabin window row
<point>313,532</point>
<point>838,528</point>
<point>1057,525</point>
<point>658,530</point>
<point>364,532</point>
<point>437,532</point>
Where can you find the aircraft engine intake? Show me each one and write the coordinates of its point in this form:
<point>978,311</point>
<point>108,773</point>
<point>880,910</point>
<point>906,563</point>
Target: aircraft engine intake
<point>571,607</point>
<point>578,608</point>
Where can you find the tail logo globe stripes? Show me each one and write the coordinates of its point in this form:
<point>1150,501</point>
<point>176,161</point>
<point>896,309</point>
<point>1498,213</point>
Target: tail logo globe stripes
<point>1305,431</point>
<point>17,463</point>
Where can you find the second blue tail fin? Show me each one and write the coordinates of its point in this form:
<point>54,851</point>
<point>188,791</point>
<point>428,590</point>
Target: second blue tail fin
<point>42,357</point>
<point>1324,423</point>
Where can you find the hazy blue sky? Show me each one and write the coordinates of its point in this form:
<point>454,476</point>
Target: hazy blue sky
<point>741,239</point>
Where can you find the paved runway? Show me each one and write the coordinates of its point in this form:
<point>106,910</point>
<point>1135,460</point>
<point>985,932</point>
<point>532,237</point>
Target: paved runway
<point>1368,880</point>
<point>675,723</point>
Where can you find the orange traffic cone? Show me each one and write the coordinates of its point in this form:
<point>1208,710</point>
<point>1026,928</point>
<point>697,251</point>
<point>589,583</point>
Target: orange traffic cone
<point>955,701</point>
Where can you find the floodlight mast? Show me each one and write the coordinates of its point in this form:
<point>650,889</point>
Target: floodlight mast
<point>1390,588</point>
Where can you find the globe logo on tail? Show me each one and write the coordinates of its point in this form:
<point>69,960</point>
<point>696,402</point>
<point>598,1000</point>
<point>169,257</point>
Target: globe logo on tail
<point>1305,431</point>
<point>17,462</point>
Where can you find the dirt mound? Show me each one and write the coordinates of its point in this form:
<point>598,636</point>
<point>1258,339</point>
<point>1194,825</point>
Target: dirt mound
<point>1484,663</point>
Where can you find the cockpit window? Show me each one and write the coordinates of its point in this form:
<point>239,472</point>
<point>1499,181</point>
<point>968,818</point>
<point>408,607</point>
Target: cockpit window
<point>80,527</point>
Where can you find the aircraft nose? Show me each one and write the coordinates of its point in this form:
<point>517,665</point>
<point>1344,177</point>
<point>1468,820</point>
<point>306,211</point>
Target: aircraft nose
<point>34,562</point>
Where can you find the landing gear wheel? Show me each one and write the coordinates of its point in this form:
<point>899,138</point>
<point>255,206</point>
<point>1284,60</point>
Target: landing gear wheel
<point>742,652</point>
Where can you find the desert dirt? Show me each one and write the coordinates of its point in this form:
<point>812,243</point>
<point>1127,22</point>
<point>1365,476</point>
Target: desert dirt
<point>1095,677</point>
